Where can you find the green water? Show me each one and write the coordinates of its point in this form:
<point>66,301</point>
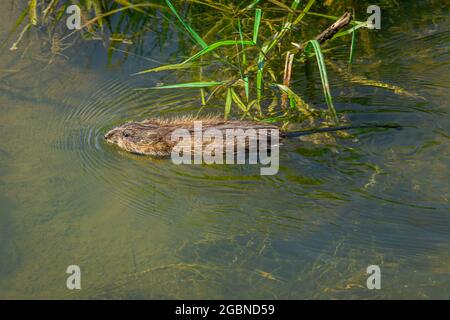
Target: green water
<point>142,228</point>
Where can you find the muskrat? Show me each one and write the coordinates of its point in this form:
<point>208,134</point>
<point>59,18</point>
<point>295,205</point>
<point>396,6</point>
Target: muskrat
<point>153,137</point>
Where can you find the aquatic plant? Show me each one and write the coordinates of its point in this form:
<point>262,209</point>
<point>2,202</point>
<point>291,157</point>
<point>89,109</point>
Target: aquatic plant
<point>250,59</point>
<point>243,53</point>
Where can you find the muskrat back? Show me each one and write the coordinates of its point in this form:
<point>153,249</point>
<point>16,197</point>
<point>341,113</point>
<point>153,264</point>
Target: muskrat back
<point>154,136</point>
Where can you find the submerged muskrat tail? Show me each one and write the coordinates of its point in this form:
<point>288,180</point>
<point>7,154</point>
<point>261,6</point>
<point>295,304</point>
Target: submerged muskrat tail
<point>289,134</point>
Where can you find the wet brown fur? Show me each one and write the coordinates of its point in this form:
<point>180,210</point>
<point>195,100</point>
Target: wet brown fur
<point>153,136</point>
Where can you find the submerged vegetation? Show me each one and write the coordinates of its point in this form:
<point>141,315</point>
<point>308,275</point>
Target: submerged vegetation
<point>243,53</point>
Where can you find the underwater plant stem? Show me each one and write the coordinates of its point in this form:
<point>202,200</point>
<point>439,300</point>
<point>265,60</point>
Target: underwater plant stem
<point>15,44</point>
<point>352,47</point>
<point>49,7</point>
<point>292,134</point>
<point>287,77</point>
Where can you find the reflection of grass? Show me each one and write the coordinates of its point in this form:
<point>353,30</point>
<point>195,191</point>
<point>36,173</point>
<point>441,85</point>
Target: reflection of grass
<point>363,81</point>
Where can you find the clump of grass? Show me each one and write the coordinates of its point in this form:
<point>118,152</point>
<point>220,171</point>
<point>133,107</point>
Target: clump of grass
<point>253,55</point>
<point>101,19</point>
<point>243,67</point>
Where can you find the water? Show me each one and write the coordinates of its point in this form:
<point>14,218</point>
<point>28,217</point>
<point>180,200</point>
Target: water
<point>143,228</point>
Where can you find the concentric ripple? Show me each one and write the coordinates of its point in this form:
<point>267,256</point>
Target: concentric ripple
<point>147,185</point>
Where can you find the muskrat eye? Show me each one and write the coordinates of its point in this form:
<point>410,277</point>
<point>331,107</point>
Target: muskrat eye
<point>126,134</point>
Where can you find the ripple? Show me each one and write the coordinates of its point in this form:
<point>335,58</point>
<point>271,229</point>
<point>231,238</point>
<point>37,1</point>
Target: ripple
<point>146,185</point>
<point>305,195</point>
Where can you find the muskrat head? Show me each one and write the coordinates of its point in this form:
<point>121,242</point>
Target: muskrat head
<point>139,138</point>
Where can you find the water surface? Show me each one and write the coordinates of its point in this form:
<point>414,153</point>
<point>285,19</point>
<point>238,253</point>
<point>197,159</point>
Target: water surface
<point>143,228</point>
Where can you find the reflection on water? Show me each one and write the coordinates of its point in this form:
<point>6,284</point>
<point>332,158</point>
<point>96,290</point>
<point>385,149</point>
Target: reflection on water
<point>143,228</point>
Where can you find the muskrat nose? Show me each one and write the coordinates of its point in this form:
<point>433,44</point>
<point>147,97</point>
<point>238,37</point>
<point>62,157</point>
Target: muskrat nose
<point>109,134</point>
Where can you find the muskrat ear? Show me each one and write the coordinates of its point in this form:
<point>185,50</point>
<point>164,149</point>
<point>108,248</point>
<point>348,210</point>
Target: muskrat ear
<point>127,133</point>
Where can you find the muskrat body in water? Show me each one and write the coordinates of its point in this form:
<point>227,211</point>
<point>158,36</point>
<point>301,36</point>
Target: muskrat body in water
<point>154,136</point>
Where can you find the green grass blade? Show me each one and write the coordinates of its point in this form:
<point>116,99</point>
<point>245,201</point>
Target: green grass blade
<point>18,22</point>
<point>324,77</point>
<point>285,6</point>
<point>304,12</point>
<point>202,90</point>
<point>349,31</point>
<point>277,38</point>
<point>193,34</point>
<point>352,46</point>
<point>203,84</point>
<point>295,4</point>
<point>238,101</point>
<point>352,49</point>
<point>228,104</point>
<point>253,4</point>
<point>202,95</point>
<point>98,12</point>
<point>258,15</point>
<point>202,52</point>
<point>259,82</point>
<point>127,3</point>
<point>52,3</point>
<point>175,66</point>
<point>286,26</point>
<point>293,97</point>
<point>216,45</point>
<point>241,36</point>
<point>123,2</point>
<point>21,18</point>
<point>33,12</point>
<point>246,87</point>
<point>215,5</point>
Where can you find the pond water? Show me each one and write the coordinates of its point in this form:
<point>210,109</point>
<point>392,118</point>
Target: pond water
<point>143,228</point>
